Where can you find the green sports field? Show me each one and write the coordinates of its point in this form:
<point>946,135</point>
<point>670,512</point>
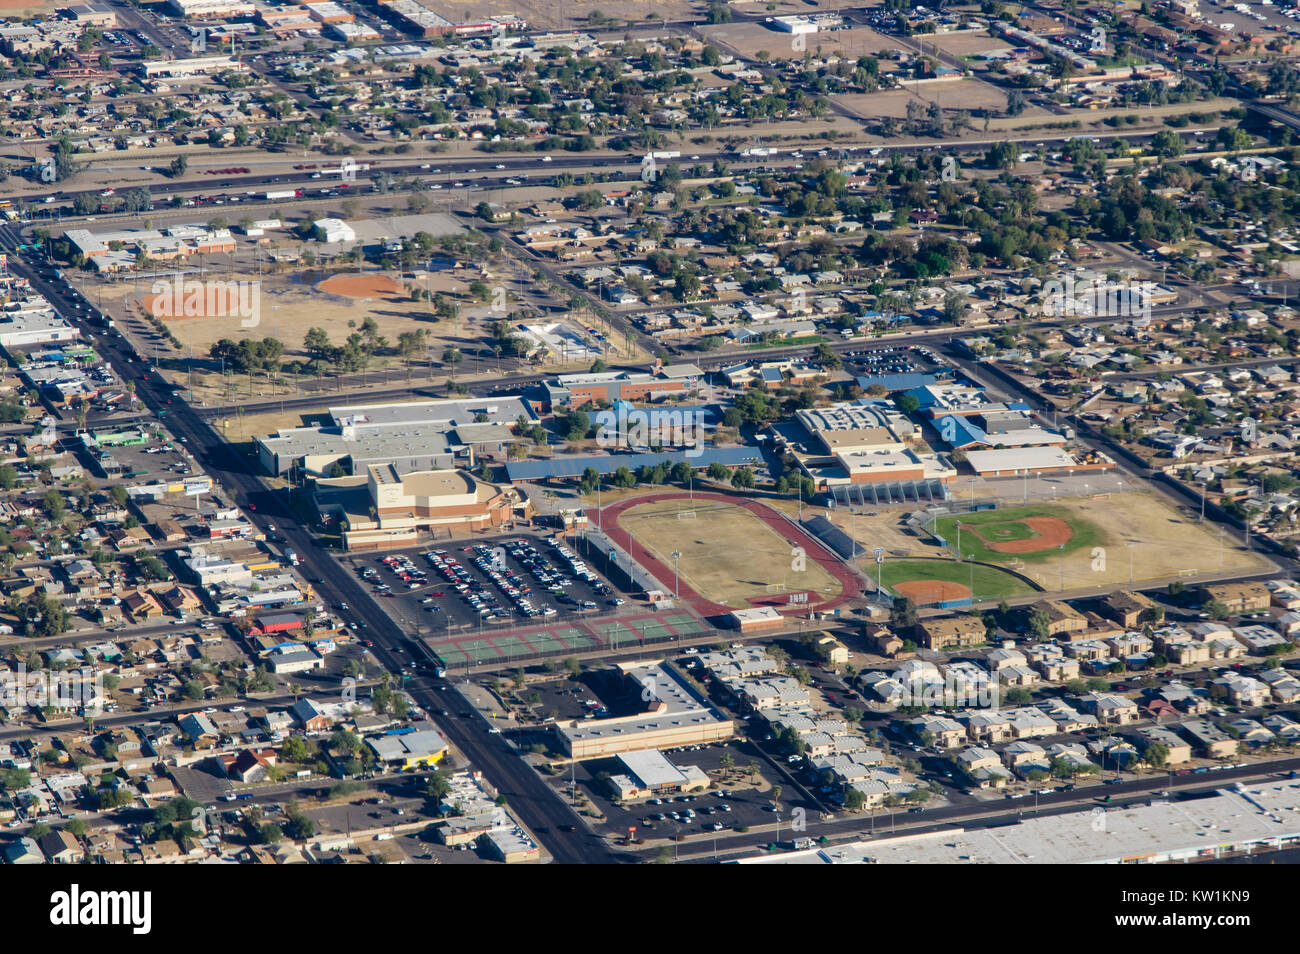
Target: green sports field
<point>1006,526</point>
<point>989,583</point>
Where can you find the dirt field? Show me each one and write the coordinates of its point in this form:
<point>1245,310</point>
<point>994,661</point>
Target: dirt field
<point>748,39</point>
<point>728,555</point>
<point>966,42</point>
<point>290,303</point>
<point>364,286</point>
<point>577,15</point>
<point>238,428</point>
<point>931,591</point>
<point>957,94</point>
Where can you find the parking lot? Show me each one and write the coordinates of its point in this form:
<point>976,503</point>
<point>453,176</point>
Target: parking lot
<point>491,584</point>
<point>873,362</point>
<point>741,801</point>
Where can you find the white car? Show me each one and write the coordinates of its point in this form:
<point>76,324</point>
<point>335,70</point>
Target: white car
<point>546,158</point>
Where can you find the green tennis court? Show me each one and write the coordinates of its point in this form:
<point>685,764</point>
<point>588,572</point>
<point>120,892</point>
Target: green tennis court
<point>511,646</point>
<point>451,655</point>
<point>544,642</point>
<point>686,625</point>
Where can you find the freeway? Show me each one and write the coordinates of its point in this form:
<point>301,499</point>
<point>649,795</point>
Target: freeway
<point>480,172</point>
<point>537,805</point>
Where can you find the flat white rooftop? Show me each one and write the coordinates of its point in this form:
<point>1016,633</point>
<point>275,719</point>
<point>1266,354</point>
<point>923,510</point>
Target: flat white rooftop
<point>1162,830</point>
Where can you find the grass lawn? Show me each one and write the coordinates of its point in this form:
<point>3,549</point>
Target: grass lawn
<point>989,583</point>
<point>1002,526</point>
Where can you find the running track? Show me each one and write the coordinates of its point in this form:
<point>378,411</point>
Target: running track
<point>786,528</point>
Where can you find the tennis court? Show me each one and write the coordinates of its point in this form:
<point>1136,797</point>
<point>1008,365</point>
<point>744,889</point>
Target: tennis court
<point>686,625</point>
<point>581,636</point>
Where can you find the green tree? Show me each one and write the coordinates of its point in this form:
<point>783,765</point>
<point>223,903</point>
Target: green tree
<point>1156,755</point>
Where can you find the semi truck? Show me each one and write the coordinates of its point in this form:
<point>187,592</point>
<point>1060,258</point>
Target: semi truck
<point>284,194</point>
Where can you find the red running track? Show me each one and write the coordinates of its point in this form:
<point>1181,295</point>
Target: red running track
<point>786,528</point>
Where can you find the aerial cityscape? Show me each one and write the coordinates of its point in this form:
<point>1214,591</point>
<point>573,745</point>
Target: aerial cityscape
<point>704,432</point>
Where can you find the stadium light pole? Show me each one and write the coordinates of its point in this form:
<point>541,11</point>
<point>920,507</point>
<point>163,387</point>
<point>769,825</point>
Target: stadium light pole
<point>676,555</point>
<point>1062,549</point>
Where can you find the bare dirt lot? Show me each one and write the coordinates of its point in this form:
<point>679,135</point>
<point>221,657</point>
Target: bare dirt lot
<point>578,15</point>
<point>749,39</point>
<point>966,42</point>
<point>968,94</point>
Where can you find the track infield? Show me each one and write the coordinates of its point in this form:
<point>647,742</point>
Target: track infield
<point>733,552</point>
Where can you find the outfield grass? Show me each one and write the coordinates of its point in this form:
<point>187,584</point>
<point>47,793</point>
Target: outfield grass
<point>990,583</point>
<point>1000,525</point>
